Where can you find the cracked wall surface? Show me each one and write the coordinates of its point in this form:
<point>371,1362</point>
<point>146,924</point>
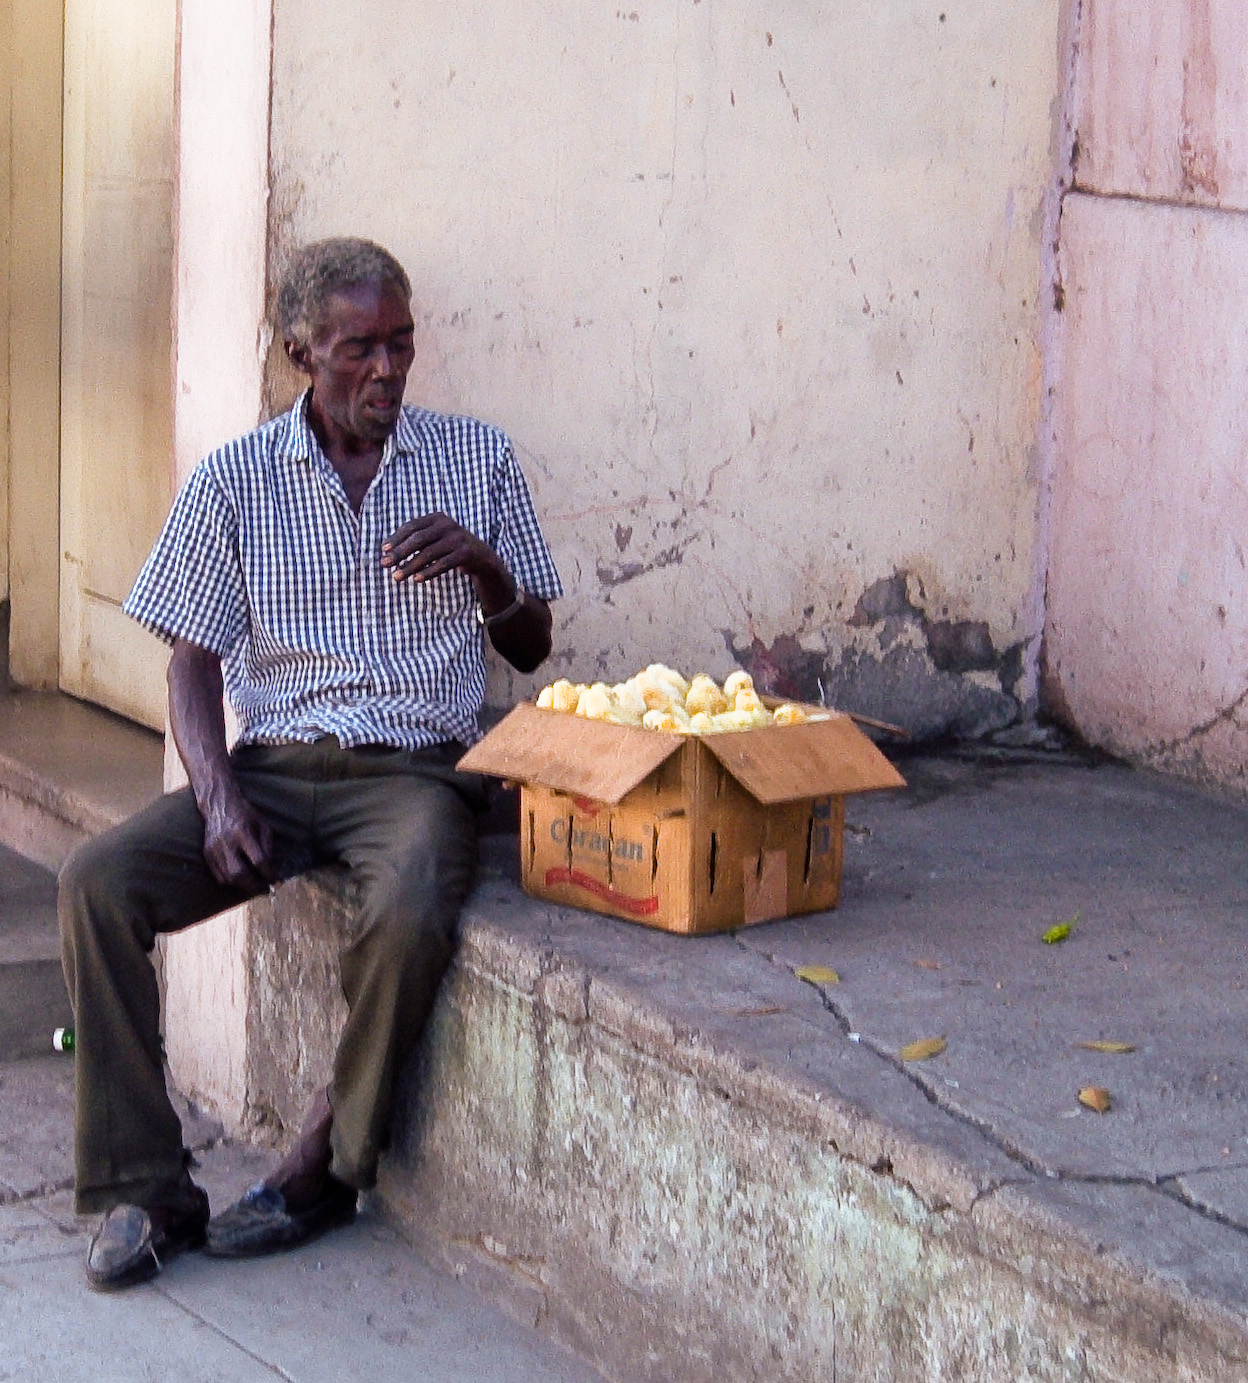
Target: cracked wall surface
<point>756,292</point>
<point>1147,625</point>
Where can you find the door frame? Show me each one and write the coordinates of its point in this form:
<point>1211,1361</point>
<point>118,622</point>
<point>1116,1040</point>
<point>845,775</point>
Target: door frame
<point>31,451</point>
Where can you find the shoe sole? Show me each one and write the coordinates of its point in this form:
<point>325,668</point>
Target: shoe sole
<point>150,1264</point>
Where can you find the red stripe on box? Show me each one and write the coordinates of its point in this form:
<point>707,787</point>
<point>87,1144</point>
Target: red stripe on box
<point>638,907</point>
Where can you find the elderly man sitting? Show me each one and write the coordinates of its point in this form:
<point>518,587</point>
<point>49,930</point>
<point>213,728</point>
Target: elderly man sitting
<point>337,573</point>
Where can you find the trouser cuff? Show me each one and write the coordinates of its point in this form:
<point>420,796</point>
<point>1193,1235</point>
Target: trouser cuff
<point>166,1187</point>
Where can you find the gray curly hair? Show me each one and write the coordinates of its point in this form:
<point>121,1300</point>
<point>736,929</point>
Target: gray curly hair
<point>319,270</point>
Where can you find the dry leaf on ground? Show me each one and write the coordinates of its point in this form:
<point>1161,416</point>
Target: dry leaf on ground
<point>817,974</point>
<point>928,964</point>
<point>1095,1097</point>
<point>1102,1046</point>
<point>1061,931</point>
<point>760,1012</point>
<point>921,1050</point>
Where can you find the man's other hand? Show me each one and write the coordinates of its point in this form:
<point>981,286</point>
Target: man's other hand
<point>238,844</point>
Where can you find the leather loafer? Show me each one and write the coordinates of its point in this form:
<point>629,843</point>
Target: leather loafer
<point>260,1221</point>
<point>133,1244</point>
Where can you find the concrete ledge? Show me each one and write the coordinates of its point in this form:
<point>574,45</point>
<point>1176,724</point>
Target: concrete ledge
<point>672,1208</point>
<point>684,1161</point>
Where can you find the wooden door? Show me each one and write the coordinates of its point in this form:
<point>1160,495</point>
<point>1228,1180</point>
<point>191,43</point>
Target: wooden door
<point>116,405</point>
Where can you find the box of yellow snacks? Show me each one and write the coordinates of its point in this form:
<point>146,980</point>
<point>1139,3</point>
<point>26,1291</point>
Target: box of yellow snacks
<point>683,805</point>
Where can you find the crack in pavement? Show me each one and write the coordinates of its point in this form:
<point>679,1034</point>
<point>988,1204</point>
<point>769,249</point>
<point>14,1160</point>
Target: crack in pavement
<point>45,1188</point>
<point>1167,1185</point>
<point>275,1369</point>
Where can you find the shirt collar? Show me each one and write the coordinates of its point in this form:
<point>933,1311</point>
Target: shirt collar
<point>298,443</point>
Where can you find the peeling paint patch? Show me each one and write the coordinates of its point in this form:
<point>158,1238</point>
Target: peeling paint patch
<point>904,686</point>
<point>936,677</point>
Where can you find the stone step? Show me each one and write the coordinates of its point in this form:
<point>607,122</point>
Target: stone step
<point>33,1001</point>
<point>69,771</point>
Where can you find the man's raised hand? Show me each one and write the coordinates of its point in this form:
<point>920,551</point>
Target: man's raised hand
<point>434,544</point>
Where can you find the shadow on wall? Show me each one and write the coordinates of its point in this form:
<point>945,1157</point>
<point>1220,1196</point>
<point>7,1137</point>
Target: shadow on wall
<point>936,678</point>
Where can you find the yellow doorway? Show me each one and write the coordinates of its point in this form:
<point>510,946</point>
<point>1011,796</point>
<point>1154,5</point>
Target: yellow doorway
<point>116,368</point>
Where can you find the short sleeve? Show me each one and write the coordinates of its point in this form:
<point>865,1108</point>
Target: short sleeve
<point>191,586</point>
<point>517,536</point>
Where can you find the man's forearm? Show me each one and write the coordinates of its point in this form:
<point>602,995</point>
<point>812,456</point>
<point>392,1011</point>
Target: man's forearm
<point>197,720</point>
<point>238,843</point>
<point>523,638</point>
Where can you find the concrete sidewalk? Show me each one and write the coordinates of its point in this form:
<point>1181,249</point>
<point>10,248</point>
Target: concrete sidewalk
<point>357,1304</point>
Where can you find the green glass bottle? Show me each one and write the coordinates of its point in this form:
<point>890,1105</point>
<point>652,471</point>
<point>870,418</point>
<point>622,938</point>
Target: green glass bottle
<point>63,1040</point>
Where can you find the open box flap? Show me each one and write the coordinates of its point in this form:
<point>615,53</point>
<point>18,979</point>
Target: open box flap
<point>590,758</point>
<point>785,763</point>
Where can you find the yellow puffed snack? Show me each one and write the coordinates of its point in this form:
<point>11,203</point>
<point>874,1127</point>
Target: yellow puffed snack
<point>546,698</point>
<point>595,702</point>
<point>565,695</point>
<point>705,695</point>
<point>629,700</point>
<point>736,682</point>
<point>702,724</point>
<point>789,714</point>
<point>665,720</point>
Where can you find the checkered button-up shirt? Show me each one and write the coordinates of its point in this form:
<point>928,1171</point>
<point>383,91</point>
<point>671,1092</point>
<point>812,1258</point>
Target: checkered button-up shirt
<point>263,561</point>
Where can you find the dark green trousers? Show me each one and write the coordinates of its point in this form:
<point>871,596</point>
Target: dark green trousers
<point>404,825</point>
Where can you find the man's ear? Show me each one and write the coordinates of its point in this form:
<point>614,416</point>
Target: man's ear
<point>299,356</point>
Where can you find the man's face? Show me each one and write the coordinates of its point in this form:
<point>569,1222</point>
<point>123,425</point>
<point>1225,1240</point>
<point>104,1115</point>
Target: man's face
<point>358,361</point>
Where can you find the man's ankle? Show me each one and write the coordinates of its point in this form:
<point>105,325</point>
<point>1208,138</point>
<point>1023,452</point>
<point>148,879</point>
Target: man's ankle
<point>303,1191</point>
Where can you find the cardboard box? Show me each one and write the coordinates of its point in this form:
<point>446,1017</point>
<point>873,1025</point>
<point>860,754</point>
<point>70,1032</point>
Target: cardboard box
<point>687,833</point>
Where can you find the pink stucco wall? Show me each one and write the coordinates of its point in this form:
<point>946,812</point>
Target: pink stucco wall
<point>1147,624</point>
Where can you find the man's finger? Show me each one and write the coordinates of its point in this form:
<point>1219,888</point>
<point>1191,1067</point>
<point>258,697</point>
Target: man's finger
<point>432,552</point>
<point>420,543</point>
<point>416,532</point>
<point>428,571</point>
<point>229,866</point>
<point>445,551</point>
<point>258,853</point>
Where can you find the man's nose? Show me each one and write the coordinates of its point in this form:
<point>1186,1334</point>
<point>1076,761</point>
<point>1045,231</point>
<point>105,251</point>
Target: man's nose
<point>384,362</point>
